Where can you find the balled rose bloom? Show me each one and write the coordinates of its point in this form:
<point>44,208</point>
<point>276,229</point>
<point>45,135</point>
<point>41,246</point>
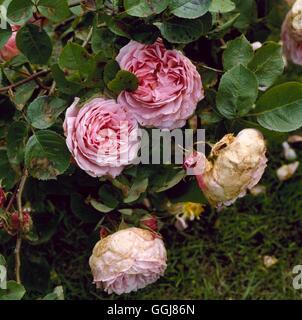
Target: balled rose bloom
<point>128,260</point>
<point>102,136</point>
<point>10,49</point>
<point>292,34</point>
<point>169,85</point>
<point>235,165</point>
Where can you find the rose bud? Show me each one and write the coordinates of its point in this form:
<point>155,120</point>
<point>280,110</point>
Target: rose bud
<point>149,222</point>
<point>102,136</point>
<point>287,171</point>
<point>169,85</point>
<point>10,49</point>
<point>128,260</point>
<point>26,223</point>
<point>292,34</point>
<point>2,198</point>
<point>235,165</point>
<point>103,232</point>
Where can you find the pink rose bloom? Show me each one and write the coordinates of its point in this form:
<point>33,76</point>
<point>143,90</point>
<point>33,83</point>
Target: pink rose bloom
<point>169,85</point>
<point>292,34</point>
<point>235,165</point>
<point>128,260</point>
<point>10,49</point>
<point>102,136</point>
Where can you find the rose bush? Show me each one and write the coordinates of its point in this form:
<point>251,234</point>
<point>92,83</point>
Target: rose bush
<point>84,86</point>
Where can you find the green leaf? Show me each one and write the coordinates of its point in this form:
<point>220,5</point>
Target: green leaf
<point>2,261</point>
<point>103,40</point>
<point>46,155</point>
<point>145,33</point>
<point>222,6</point>
<point>267,63</point>
<point>8,176</point>
<point>139,186</point>
<point>179,30</point>
<point>34,43</point>
<point>57,294</point>
<point>170,180</point>
<point>54,10</point>
<point>248,13</point>
<point>280,108</point>
<point>100,206</point>
<point>23,93</point>
<point>82,210</point>
<point>5,34</point>
<point>238,51</point>
<point>110,70</point>
<point>238,91</point>
<point>75,57</point>
<point>20,11</point>
<point>16,140</point>
<point>44,111</point>
<point>189,9</point>
<point>124,80</point>
<point>64,85</point>
<point>143,8</point>
<point>14,291</point>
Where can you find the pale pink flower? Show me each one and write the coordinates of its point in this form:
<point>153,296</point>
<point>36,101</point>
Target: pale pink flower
<point>292,34</point>
<point>128,260</point>
<point>102,136</point>
<point>235,165</point>
<point>169,85</point>
<point>10,49</point>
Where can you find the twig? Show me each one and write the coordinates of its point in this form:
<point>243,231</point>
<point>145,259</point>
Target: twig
<point>19,83</point>
<point>19,234</point>
<point>88,38</point>
<point>11,201</point>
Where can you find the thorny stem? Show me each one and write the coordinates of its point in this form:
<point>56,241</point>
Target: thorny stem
<point>19,83</point>
<point>19,234</point>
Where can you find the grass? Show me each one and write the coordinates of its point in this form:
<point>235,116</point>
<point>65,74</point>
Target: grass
<point>218,257</point>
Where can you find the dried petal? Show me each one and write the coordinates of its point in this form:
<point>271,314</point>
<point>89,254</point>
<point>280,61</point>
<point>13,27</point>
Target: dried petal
<point>287,171</point>
<point>289,153</point>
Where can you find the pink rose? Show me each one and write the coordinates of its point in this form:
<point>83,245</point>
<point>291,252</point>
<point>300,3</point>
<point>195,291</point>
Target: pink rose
<point>169,85</point>
<point>10,49</point>
<point>102,136</point>
<point>128,260</point>
<point>292,34</point>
